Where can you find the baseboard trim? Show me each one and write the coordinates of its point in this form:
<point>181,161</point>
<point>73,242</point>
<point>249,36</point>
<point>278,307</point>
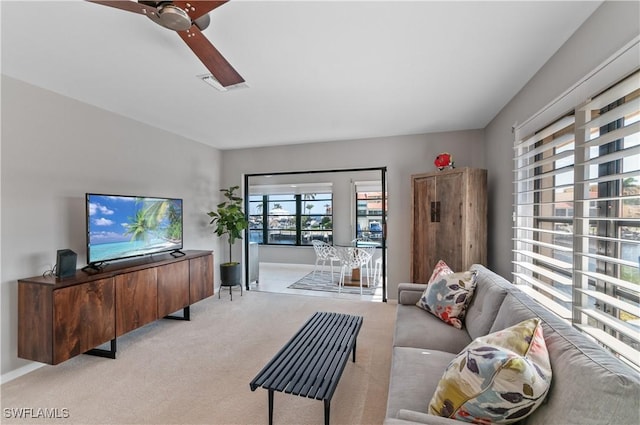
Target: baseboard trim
<point>16,373</point>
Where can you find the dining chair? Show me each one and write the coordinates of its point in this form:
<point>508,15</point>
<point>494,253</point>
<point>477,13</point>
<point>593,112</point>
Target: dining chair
<point>352,258</point>
<point>377,271</point>
<point>369,265</point>
<point>324,253</point>
<point>365,243</point>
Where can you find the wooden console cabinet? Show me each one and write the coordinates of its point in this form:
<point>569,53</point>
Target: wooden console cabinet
<point>62,318</point>
<point>449,220</point>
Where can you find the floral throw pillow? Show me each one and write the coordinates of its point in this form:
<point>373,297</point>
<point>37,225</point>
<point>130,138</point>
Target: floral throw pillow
<point>440,269</point>
<point>500,378</point>
<point>448,296</point>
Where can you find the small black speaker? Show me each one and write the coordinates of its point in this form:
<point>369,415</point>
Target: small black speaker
<point>66,263</point>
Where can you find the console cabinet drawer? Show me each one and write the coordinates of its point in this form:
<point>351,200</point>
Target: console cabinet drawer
<point>136,300</point>
<point>83,318</point>
<point>200,278</point>
<point>55,325</point>
<point>173,288</point>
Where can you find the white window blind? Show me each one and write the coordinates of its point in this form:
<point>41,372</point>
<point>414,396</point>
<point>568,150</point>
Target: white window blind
<point>543,234</point>
<point>607,219</point>
<point>290,188</point>
<point>577,217</point>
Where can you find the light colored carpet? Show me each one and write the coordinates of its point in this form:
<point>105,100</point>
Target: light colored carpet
<point>321,282</point>
<point>198,372</point>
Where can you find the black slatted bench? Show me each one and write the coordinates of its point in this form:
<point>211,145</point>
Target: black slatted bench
<point>311,363</point>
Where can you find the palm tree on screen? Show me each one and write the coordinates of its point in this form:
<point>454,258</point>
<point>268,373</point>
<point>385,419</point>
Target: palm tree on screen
<point>161,217</point>
<point>138,226</point>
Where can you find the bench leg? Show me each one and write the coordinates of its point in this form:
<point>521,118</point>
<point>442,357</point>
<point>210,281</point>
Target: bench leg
<point>270,407</point>
<point>327,411</point>
<point>354,350</point>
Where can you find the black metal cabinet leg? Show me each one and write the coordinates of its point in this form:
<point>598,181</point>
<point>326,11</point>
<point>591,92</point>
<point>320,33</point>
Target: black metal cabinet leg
<point>186,315</point>
<point>270,407</point>
<point>327,411</point>
<point>101,352</point>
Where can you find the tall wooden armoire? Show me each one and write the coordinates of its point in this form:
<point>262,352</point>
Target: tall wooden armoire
<point>449,220</point>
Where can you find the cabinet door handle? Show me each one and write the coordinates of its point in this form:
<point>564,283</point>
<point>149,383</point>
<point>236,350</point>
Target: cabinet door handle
<point>435,211</point>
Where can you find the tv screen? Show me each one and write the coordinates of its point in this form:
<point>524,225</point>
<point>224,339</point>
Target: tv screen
<point>128,226</point>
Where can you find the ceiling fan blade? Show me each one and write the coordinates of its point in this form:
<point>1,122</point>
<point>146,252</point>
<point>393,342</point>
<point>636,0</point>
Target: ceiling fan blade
<point>130,6</point>
<point>196,9</point>
<point>211,57</point>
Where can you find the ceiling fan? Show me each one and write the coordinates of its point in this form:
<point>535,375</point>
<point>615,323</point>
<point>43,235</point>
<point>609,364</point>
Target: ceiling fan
<point>188,19</point>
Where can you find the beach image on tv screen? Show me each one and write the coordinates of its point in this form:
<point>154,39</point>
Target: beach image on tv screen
<point>125,226</point>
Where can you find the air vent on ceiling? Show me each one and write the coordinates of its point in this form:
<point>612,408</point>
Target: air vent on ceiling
<point>211,80</point>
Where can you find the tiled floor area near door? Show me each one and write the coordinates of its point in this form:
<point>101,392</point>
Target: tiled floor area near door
<point>276,277</point>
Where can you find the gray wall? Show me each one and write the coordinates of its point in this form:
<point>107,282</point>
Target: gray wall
<point>610,28</point>
<point>54,149</point>
<point>402,155</point>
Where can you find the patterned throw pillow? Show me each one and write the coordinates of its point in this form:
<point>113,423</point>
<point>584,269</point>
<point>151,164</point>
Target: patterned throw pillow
<point>499,378</point>
<point>440,269</point>
<point>448,295</point>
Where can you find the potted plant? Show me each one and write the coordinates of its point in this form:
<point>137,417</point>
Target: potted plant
<point>229,220</point>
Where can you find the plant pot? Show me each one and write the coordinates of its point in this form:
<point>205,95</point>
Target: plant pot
<point>230,274</point>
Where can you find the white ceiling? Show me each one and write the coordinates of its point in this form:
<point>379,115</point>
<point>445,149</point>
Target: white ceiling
<point>317,71</point>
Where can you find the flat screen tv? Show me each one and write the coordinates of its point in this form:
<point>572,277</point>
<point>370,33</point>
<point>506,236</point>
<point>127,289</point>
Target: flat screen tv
<point>120,226</point>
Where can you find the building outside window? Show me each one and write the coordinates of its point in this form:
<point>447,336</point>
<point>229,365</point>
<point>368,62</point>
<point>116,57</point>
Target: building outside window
<point>369,215</point>
<point>368,199</point>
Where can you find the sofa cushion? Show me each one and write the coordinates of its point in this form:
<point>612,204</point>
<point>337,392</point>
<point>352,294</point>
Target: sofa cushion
<point>590,386</point>
<point>416,328</point>
<point>448,295</point>
<point>414,379</point>
<point>414,418</point>
<point>499,378</point>
<point>487,298</point>
<point>512,311</point>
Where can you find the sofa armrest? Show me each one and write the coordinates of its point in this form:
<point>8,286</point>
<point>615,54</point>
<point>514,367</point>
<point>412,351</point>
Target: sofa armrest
<point>410,293</point>
<point>407,417</point>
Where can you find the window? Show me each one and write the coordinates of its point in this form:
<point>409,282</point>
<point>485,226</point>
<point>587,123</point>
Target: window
<point>316,217</point>
<point>577,211</point>
<point>291,219</point>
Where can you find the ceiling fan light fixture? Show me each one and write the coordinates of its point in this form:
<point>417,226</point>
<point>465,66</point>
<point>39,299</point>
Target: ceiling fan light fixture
<point>211,80</point>
<point>174,18</point>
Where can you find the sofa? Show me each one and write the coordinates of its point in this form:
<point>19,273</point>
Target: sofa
<point>588,384</point>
